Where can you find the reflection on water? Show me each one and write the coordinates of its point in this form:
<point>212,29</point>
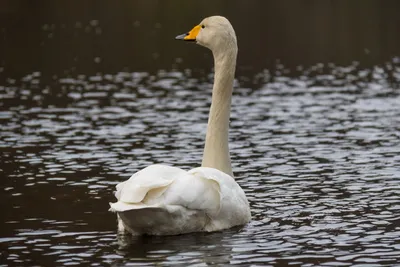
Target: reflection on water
<point>315,145</point>
<point>317,154</point>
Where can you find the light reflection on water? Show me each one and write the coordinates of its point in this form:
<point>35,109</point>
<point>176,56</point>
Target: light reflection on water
<point>316,153</point>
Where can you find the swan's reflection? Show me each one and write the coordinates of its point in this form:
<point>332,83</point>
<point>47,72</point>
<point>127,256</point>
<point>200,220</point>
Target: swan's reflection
<point>216,248</point>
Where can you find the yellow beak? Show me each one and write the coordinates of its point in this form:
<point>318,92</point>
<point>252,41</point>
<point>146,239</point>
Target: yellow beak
<point>189,36</point>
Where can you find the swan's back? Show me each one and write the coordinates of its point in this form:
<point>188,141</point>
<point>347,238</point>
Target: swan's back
<point>168,200</point>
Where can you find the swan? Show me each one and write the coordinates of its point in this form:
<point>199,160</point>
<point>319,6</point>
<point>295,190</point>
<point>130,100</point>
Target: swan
<point>166,200</point>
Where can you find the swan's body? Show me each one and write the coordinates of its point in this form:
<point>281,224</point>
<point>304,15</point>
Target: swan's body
<point>164,200</point>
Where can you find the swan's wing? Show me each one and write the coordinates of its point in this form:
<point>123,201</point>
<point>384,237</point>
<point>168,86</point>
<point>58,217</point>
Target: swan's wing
<point>234,207</point>
<point>213,174</point>
<point>168,187</point>
<point>194,192</point>
<point>154,178</point>
<point>165,200</point>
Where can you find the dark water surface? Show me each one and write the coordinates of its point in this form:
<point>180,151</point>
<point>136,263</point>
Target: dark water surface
<point>315,131</point>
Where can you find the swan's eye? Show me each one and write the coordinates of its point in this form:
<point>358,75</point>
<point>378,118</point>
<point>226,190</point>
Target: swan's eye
<point>202,26</point>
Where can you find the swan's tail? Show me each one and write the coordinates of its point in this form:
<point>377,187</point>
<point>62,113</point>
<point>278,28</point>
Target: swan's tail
<point>157,220</point>
<point>121,206</point>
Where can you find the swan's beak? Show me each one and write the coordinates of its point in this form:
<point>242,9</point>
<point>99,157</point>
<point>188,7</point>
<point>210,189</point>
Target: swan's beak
<point>189,36</point>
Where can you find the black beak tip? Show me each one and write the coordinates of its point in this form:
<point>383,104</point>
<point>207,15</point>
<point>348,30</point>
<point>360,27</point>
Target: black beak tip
<point>181,36</point>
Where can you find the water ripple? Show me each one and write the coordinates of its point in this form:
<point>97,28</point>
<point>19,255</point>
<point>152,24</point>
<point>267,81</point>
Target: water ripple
<point>317,154</point>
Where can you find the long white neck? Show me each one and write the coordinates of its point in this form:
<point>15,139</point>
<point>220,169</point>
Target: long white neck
<point>216,149</point>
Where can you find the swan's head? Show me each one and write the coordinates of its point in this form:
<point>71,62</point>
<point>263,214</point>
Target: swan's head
<point>214,32</point>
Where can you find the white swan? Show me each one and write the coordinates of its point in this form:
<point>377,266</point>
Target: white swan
<point>164,200</point>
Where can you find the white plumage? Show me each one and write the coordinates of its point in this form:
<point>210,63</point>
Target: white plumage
<point>162,200</point>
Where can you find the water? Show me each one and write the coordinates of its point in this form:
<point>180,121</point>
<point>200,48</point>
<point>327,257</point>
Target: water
<point>316,149</point>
